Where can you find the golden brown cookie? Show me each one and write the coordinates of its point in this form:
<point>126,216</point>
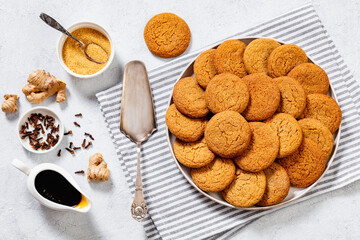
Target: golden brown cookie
<point>215,176</point>
<point>284,58</point>
<point>292,96</point>
<point>194,154</point>
<point>185,128</point>
<point>312,78</point>
<point>288,131</point>
<point>246,189</point>
<point>189,98</point>
<point>264,97</point>
<point>227,134</point>
<point>319,133</point>
<point>167,35</point>
<point>306,165</point>
<point>277,185</point>
<point>325,109</point>
<point>204,67</point>
<point>262,150</point>
<point>227,91</point>
<point>229,58</point>
<point>257,53</point>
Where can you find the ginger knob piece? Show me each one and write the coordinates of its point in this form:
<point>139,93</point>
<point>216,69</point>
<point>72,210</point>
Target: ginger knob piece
<point>97,170</point>
<point>10,104</point>
<point>43,85</point>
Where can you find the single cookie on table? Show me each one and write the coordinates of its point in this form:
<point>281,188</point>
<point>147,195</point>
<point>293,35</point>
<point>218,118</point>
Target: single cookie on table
<point>289,133</point>
<point>215,176</point>
<point>226,91</point>
<point>189,98</point>
<point>325,109</point>
<point>319,133</point>
<point>246,189</point>
<point>194,154</point>
<point>227,134</point>
<point>306,165</point>
<point>262,150</point>
<point>204,67</point>
<point>312,78</point>
<point>284,58</point>
<point>277,185</point>
<point>229,58</point>
<point>257,53</point>
<point>292,96</point>
<point>264,97</point>
<point>185,128</point>
<point>167,35</point>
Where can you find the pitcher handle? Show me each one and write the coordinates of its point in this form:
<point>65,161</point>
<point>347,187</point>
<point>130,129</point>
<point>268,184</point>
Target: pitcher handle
<point>21,166</point>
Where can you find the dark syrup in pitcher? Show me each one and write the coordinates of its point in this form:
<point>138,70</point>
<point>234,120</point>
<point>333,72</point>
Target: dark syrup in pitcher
<point>54,187</point>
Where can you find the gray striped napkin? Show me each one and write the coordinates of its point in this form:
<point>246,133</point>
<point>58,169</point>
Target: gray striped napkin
<point>177,210</point>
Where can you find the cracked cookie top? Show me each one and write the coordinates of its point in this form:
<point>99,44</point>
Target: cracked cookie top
<point>284,58</point>
<point>189,98</point>
<point>306,165</point>
<point>257,53</point>
<point>204,67</point>
<point>227,134</point>
<point>185,128</point>
<point>215,176</point>
<point>227,91</point>
<point>229,58</point>
<point>167,35</point>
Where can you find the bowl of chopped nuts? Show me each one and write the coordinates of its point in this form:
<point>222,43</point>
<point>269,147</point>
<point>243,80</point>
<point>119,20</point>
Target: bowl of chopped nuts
<point>40,130</point>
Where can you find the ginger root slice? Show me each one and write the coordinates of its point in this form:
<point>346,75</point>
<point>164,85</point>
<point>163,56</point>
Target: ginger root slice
<point>10,104</point>
<point>97,170</point>
<point>43,85</point>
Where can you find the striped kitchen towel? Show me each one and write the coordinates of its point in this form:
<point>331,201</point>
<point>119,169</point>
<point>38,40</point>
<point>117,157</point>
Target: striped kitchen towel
<point>177,210</point>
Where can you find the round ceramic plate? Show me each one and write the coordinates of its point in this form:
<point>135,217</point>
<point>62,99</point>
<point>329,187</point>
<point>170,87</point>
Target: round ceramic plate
<point>294,193</point>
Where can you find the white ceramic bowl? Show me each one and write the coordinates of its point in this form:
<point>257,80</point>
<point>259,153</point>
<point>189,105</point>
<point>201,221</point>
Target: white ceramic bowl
<point>73,28</point>
<point>43,111</point>
<point>294,193</point>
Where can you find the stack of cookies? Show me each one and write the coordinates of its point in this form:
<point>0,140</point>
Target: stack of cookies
<point>253,121</point>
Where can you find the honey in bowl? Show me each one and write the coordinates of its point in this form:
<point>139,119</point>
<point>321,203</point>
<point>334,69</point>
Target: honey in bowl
<point>73,53</point>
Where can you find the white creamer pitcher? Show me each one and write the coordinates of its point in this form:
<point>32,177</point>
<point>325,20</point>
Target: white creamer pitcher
<point>84,204</point>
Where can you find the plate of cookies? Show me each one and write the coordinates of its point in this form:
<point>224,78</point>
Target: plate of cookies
<point>253,123</point>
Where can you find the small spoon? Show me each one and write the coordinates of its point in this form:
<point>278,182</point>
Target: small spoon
<point>54,24</point>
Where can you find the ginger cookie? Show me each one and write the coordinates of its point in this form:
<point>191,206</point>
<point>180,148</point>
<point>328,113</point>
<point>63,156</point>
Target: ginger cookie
<point>246,189</point>
<point>167,35</point>
<point>257,53</point>
<point>185,128</point>
<point>306,165</point>
<point>284,58</point>
<point>325,109</point>
<point>277,185</point>
<point>204,67</point>
<point>227,134</point>
<point>194,154</point>
<point>289,133</point>
<point>215,176</point>
<point>292,96</point>
<point>229,58</point>
<point>312,78</point>
<point>189,98</point>
<point>319,133</point>
<point>264,97</point>
<point>262,150</point>
<point>226,91</point>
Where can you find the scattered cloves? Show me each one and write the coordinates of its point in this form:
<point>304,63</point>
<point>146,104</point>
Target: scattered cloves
<point>76,124</point>
<point>78,115</point>
<point>59,153</point>
<point>80,172</point>
<point>69,150</point>
<point>90,143</point>
<point>67,133</point>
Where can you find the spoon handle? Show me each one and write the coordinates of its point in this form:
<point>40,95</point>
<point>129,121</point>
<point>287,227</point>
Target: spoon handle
<point>54,24</point>
<point>138,207</point>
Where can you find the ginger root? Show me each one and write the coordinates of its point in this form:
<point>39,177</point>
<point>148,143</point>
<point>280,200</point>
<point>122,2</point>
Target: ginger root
<point>97,170</point>
<point>43,85</point>
<point>9,105</point>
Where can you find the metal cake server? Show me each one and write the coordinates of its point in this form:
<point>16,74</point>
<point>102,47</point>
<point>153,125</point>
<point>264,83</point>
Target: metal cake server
<point>137,122</point>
